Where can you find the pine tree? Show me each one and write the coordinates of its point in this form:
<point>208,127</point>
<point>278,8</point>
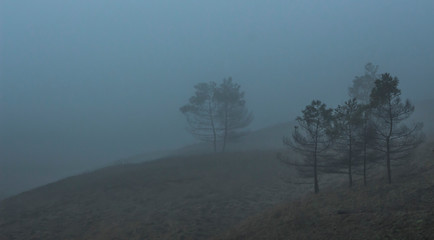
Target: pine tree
<point>201,113</point>
<point>217,113</point>
<point>395,139</point>
<point>348,121</point>
<point>233,113</point>
<point>311,138</point>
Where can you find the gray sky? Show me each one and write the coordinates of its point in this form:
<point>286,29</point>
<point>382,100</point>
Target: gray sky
<point>93,81</point>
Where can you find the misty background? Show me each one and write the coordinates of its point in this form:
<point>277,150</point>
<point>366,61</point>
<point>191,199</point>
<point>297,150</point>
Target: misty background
<point>84,83</point>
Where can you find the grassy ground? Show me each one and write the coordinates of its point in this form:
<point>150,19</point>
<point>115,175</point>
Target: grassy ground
<point>174,198</point>
<point>402,210</point>
<point>232,196</point>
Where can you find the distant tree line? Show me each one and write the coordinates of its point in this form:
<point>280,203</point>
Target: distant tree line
<point>367,129</point>
<point>217,113</point>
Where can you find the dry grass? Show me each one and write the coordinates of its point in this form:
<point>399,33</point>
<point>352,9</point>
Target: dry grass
<point>203,196</point>
<point>402,210</point>
<point>173,198</point>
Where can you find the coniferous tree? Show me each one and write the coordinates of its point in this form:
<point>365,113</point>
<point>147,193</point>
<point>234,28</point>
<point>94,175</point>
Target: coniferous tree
<point>361,91</point>
<point>217,113</point>
<point>233,114</point>
<point>363,85</point>
<point>348,121</point>
<point>394,138</point>
<point>201,113</point>
<point>368,140</point>
<point>311,138</point>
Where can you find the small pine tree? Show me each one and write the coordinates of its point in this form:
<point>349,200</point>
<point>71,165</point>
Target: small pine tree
<point>233,114</point>
<point>311,138</point>
<point>201,113</point>
<point>217,113</point>
<point>348,121</point>
<point>395,139</point>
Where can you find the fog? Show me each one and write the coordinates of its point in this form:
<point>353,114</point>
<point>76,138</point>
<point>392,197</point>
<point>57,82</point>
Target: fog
<point>83,83</point>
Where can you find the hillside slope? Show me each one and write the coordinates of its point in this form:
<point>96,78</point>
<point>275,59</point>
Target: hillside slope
<point>197,197</point>
<point>402,210</point>
<point>265,139</point>
<point>173,198</point>
<point>23,174</point>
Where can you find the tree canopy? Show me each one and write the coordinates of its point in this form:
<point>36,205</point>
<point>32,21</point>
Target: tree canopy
<point>311,138</point>
<point>395,139</point>
<point>217,113</point>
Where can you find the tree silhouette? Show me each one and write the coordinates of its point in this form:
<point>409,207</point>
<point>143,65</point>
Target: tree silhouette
<point>363,85</point>
<point>311,138</point>
<point>394,138</point>
<point>348,121</point>
<point>233,113</point>
<point>201,113</point>
<point>361,91</point>
<point>217,113</point>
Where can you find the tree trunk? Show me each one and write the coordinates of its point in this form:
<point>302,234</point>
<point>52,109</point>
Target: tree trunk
<point>212,125</point>
<point>364,162</point>
<point>315,176</point>
<point>350,155</point>
<point>389,176</point>
<point>365,147</point>
<point>315,171</point>
<point>226,129</point>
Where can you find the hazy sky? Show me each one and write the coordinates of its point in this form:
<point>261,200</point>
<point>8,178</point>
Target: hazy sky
<point>98,80</point>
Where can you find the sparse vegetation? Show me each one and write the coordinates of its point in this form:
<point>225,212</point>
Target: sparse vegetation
<point>233,113</point>
<point>133,102</point>
<point>395,139</point>
<point>361,91</point>
<point>217,113</point>
<point>204,196</point>
<point>404,210</point>
<point>340,138</point>
<point>347,123</point>
<point>311,138</point>
<point>190,197</point>
<point>201,113</point>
